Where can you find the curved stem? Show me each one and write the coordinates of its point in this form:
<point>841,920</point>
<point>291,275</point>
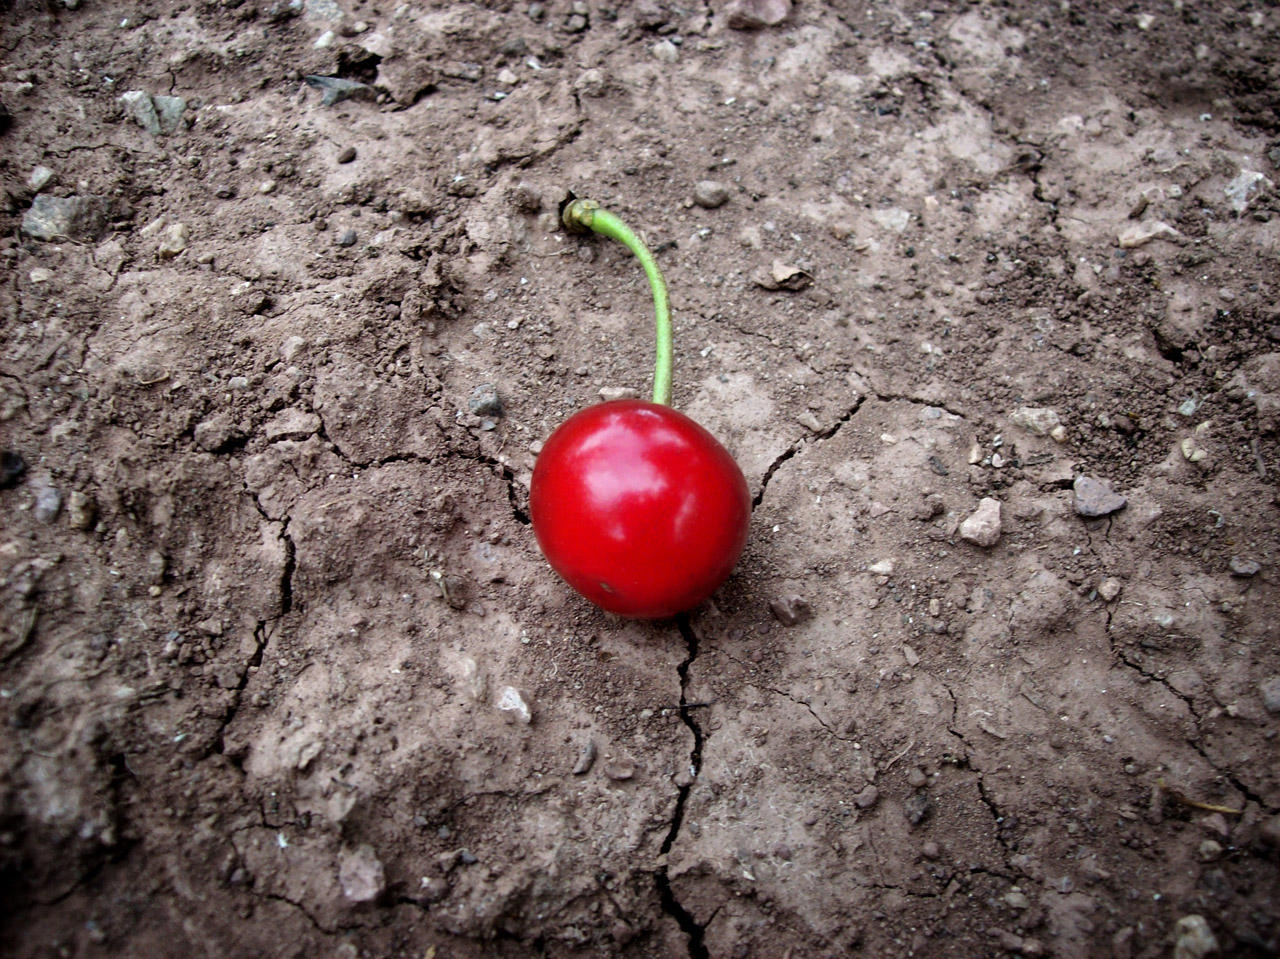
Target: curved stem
<point>583,215</point>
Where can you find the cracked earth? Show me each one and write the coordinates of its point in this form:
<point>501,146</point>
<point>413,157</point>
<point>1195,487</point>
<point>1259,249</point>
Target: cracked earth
<point>282,670</point>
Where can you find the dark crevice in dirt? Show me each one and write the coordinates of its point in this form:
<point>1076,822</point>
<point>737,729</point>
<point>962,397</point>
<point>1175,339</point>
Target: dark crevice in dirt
<point>260,644</point>
<point>666,895</point>
<point>800,444</point>
<point>917,401</point>
<point>997,817</point>
<point>290,566</point>
<point>1230,777</point>
<point>518,512</point>
<point>276,897</point>
<point>323,433</point>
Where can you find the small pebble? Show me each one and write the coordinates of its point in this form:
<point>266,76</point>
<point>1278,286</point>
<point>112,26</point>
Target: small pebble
<point>1093,498</point>
<point>666,51</point>
<point>1035,420</point>
<point>1244,568</point>
<point>586,758</point>
<point>174,241</point>
<point>867,798</point>
<point>1017,899</point>
<point>1195,939</point>
<point>916,779</point>
<point>620,770</point>
<point>81,510</point>
<point>710,194</point>
<point>39,178</point>
<point>347,155</point>
<point>1109,589</point>
<point>983,527</point>
<point>485,401</point>
<point>755,14</point>
<point>511,702</point>
<point>361,874</point>
<point>336,89</point>
<point>48,503</point>
<point>918,808</point>
<point>1269,689</point>
<point>790,610</point>
<point>346,238</point>
<point>1209,851</point>
<point>930,850</point>
<point>882,568</point>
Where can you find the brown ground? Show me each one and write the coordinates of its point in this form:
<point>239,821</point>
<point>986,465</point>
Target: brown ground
<point>251,662</point>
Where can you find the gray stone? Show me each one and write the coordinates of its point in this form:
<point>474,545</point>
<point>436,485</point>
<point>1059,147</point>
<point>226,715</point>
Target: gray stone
<point>983,527</point>
<point>586,758</point>
<point>39,178</point>
<point>1270,691</point>
<point>336,89</point>
<point>346,238</point>
<point>1093,498</point>
<point>346,155</point>
<point>485,401</point>
<point>169,111</point>
<point>139,105</point>
<point>1244,568</point>
<point>48,503</point>
<point>361,874</point>
<point>83,218</point>
<point>710,194</point>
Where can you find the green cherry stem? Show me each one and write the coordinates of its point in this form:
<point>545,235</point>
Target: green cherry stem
<point>583,215</point>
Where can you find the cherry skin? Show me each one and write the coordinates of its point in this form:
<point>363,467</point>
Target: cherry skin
<point>639,508</point>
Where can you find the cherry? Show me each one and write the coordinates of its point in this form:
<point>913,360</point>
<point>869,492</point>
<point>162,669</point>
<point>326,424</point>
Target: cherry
<point>636,506</point>
<point>639,508</point>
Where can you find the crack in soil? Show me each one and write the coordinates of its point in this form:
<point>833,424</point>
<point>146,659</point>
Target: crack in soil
<point>1230,777</point>
<point>997,817</point>
<point>800,444</point>
<point>666,895</point>
<point>255,659</point>
<point>518,511</point>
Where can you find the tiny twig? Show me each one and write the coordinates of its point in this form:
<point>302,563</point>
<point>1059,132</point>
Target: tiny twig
<point>910,746</point>
<point>1195,803</point>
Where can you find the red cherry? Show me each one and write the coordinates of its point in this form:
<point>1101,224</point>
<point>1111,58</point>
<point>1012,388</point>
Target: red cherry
<point>639,508</point>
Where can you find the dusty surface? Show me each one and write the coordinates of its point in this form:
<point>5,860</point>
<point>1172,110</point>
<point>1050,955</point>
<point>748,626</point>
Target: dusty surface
<point>267,576</point>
